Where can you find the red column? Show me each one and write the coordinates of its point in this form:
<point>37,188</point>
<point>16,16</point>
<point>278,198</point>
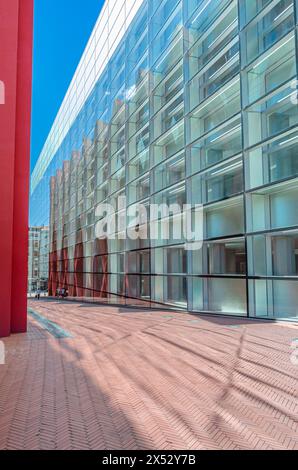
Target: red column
<point>16,24</point>
<point>22,169</point>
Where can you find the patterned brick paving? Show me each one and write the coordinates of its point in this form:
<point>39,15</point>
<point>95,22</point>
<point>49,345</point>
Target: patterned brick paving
<point>129,379</point>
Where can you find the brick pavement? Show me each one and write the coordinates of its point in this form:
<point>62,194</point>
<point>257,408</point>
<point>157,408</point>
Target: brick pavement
<point>132,379</point>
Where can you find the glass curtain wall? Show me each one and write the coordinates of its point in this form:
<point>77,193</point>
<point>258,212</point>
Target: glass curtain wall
<point>198,105</point>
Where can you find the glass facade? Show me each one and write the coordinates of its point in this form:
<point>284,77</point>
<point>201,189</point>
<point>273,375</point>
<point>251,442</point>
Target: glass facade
<point>180,101</point>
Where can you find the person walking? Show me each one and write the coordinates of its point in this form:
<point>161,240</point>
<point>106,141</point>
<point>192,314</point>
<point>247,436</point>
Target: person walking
<point>38,294</point>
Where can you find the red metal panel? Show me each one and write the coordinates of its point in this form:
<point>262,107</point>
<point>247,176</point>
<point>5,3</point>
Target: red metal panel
<point>8,60</point>
<point>15,73</point>
<point>22,169</point>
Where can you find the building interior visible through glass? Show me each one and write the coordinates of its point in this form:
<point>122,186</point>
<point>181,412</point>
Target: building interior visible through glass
<point>187,101</point>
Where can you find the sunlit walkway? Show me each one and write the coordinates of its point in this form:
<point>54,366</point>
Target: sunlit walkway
<point>91,377</point>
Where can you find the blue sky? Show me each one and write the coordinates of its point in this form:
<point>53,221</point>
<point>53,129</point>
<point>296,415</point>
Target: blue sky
<point>61,32</point>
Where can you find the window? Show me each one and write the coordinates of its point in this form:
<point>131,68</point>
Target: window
<point>138,287</point>
<point>219,295</point>
<point>270,116</point>
<point>215,110</point>
<point>272,162</point>
<point>171,290</point>
<point>220,257</point>
<point>138,262</point>
<point>225,218</point>
<point>273,207</point>
<point>227,257</point>
<point>267,29</point>
<point>273,298</point>
<point>224,180</point>
<point>170,260</point>
<point>169,173</point>
<point>250,9</point>
<point>169,143</point>
<point>139,165</point>
<point>270,70</point>
<point>274,254</point>
<point>216,146</point>
<point>138,189</point>
<point>220,32</point>
<point>224,66</point>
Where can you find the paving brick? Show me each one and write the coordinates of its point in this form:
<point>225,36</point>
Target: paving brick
<point>127,379</point>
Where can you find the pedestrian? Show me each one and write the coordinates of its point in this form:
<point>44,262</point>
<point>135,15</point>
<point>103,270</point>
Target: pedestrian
<point>38,294</point>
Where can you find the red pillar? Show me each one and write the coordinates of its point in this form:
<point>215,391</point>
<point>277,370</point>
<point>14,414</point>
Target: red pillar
<point>16,25</point>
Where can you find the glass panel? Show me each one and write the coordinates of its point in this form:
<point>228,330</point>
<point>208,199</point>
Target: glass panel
<point>167,60</point>
<point>169,144</point>
<point>225,142</point>
<point>170,21</point>
<point>170,260</point>
<point>274,298</point>
<point>138,165</point>
<point>224,218</point>
<point>226,296</point>
<point>171,290</point>
<point>273,115</point>
<point>196,289</point>
<point>138,262</point>
<point>139,142</point>
<point>274,254</point>
<point>138,189</point>
<point>137,95</point>
<point>270,70</point>
<point>162,15</point>
<point>117,162</point>
<point>118,141</point>
<point>203,15</point>
<point>137,29</point>
<point>224,66</point>
<point>274,208</point>
<point>220,33</point>
<point>174,195</point>
<point>273,162</point>
<point>171,86</point>
<point>118,180</point>
<point>227,257</point>
<point>176,291</point>
<point>139,119</point>
<point>215,110</point>
<point>267,29</point>
<point>219,295</point>
<point>249,9</point>
<point>138,286</point>
<point>170,115</point>
<point>220,183</point>
<point>170,172</point>
<point>221,257</point>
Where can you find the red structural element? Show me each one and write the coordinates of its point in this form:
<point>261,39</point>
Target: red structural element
<point>53,286</point>
<point>16,34</point>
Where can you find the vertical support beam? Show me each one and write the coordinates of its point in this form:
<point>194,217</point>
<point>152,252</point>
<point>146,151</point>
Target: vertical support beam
<point>9,11</point>
<point>15,74</point>
<point>22,169</point>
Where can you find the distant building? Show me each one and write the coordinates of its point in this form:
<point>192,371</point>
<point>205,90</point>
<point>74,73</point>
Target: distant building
<point>38,265</point>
